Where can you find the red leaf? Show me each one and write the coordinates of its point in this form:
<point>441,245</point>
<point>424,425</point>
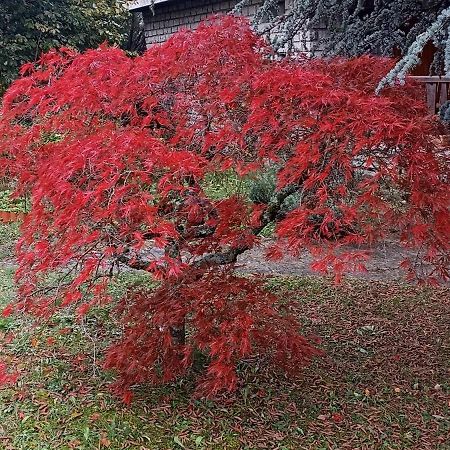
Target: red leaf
<point>8,310</point>
<point>127,396</point>
<point>83,309</point>
<point>337,417</point>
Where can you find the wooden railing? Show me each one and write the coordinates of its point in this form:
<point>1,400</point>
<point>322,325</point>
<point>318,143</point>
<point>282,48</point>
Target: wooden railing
<point>437,91</point>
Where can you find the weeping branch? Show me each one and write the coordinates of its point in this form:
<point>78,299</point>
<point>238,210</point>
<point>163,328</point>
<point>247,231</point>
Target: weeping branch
<point>357,28</point>
<point>412,57</point>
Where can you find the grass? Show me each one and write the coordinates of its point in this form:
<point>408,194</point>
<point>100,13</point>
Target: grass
<point>383,384</point>
<point>9,233</point>
<point>10,204</point>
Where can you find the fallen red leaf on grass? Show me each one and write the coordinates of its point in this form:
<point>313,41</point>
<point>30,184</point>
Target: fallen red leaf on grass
<point>337,417</point>
<point>8,310</point>
<point>64,331</point>
<point>5,377</point>
<point>127,397</point>
<point>94,417</point>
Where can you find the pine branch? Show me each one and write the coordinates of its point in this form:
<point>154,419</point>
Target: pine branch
<point>412,58</point>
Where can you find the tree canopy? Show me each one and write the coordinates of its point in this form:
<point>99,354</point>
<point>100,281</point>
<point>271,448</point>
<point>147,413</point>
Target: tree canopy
<point>30,27</point>
<point>115,153</point>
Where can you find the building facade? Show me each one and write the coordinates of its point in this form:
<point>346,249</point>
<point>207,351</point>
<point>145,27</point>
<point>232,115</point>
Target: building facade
<point>168,16</point>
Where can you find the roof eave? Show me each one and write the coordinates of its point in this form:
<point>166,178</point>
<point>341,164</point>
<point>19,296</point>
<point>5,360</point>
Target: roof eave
<point>136,5</point>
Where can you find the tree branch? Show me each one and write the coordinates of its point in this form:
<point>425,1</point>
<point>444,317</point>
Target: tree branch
<point>230,256</point>
<point>136,262</point>
<point>269,215</point>
<point>274,205</point>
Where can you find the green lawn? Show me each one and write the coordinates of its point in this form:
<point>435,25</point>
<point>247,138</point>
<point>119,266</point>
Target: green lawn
<point>384,382</point>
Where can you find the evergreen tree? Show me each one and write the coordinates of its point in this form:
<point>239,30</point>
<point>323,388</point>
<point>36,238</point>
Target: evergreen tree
<point>30,27</point>
<point>356,27</point>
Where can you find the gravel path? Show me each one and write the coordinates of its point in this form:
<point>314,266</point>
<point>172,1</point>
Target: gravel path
<point>383,265</point>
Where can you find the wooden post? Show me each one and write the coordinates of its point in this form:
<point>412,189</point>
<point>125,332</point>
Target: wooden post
<point>437,90</point>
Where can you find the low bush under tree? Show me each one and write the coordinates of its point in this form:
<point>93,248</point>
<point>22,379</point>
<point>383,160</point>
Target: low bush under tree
<point>115,154</point>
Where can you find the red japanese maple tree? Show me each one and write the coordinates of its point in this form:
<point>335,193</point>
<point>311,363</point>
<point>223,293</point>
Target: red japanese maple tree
<point>114,153</point>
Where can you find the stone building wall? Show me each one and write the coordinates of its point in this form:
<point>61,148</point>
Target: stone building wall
<point>172,15</point>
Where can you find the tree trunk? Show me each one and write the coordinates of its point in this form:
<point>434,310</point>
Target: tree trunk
<point>178,334</point>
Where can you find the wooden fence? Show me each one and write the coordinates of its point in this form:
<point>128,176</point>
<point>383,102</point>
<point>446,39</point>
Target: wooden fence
<point>437,91</point>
